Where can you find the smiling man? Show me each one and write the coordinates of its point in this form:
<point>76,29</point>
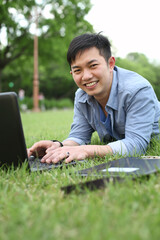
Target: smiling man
<point>119,104</point>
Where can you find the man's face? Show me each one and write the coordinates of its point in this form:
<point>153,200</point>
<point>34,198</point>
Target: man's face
<point>93,74</point>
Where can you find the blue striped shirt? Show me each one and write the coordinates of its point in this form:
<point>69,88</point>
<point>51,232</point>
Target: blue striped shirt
<point>134,114</point>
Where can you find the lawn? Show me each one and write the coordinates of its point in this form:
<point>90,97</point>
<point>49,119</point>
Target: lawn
<point>33,206</point>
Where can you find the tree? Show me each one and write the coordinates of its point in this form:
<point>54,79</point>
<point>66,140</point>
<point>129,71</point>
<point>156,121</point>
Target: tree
<point>14,24</point>
<point>54,44</point>
<point>59,21</point>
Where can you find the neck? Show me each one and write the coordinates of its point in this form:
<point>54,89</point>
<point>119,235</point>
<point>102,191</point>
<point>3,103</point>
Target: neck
<point>103,99</point>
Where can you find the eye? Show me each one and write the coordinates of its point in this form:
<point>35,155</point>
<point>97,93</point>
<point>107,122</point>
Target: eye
<point>77,71</point>
<point>94,65</point>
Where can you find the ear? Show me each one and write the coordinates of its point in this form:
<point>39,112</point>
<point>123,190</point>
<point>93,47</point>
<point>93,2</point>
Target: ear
<point>111,62</point>
<point>71,72</point>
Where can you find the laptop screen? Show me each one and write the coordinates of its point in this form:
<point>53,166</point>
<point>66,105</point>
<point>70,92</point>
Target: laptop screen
<point>12,142</point>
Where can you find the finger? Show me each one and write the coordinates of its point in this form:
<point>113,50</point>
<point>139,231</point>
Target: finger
<point>41,145</point>
<point>54,157</point>
<point>49,157</point>
<point>32,149</point>
<point>53,147</point>
<point>69,157</point>
<point>29,152</point>
<point>75,156</point>
<point>45,157</point>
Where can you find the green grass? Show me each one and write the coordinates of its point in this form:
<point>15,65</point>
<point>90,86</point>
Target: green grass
<point>32,206</point>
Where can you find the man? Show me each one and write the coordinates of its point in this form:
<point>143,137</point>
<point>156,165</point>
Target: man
<point>117,103</point>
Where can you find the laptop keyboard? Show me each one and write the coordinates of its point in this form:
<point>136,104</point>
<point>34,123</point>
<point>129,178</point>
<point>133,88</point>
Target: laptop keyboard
<point>36,164</point>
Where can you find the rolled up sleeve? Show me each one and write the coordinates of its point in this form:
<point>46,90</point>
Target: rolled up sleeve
<point>81,130</point>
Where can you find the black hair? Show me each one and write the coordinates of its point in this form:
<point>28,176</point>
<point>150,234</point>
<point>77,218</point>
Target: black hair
<point>86,41</point>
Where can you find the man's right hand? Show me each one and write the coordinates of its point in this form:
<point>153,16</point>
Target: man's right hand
<point>39,148</point>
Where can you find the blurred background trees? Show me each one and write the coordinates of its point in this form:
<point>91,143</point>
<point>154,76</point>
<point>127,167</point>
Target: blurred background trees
<point>139,63</point>
<point>58,22</point>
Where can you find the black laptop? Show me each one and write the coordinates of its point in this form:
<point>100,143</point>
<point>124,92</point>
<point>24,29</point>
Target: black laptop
<point>115,171</point>
<point>12,142</point>
<point>135,166</point>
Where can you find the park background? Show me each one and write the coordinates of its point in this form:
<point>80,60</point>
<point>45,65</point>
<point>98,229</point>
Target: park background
<point>56,23</point>
<point>33,205</point>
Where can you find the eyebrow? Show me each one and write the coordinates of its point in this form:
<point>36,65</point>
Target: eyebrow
<point>88,63</point>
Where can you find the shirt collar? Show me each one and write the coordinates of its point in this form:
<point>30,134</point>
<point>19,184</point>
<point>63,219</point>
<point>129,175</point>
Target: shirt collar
<point>84,97</point>
<point>113,100</point>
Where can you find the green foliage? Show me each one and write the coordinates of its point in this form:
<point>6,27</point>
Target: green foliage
<point>139,63</point>
<point>27,103</point>
<point>57,103</point>
<point>56,30</point>
<point>13,13</point>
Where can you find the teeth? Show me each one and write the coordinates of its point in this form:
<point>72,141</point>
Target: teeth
<point>90,84</point>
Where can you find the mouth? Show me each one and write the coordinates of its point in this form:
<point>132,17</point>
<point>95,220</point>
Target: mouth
<point>91,84</point>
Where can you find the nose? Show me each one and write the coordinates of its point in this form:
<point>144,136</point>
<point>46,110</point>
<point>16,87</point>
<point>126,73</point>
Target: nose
<point>86,75</point>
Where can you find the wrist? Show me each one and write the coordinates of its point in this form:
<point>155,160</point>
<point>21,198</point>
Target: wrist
<point>61,144</point>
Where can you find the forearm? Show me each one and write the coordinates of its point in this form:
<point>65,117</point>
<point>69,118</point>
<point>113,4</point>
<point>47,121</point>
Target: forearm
<point>97,150</point>
<point>70,143</point>
<point>91,150</point>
